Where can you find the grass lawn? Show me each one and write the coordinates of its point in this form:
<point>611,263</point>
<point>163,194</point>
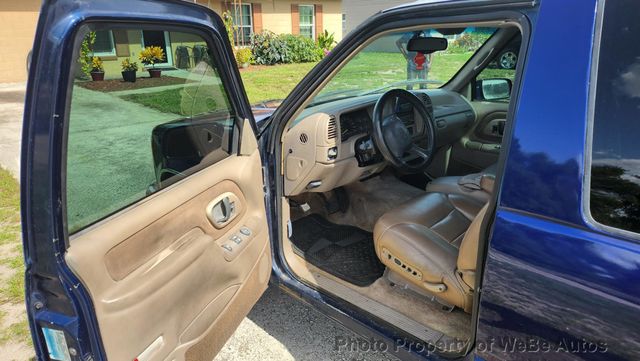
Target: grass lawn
<point>368,70</point>
<point>273,82</point>
<point>14,329</point>
<point>371,70</point>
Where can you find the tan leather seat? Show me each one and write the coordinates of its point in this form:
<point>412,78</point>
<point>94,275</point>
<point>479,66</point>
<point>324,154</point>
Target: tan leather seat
<point>432,242</point>
<point>476,186</point>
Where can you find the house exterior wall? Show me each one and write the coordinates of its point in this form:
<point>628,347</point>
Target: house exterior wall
<point>357,11</point>
<point>129,46</point>
<point>276,14</point>
<point>18,21</point>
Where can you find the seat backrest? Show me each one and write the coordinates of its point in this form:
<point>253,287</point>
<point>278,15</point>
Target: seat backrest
<point>468,254</point>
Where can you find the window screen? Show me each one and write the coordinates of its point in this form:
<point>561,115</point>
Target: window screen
<point>104,44</point>
<point>243,22</point>
<point>306,20</point>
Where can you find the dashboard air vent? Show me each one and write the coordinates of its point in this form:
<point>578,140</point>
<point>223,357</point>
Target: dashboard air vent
<point>427,102</point>
<point>332,130</point>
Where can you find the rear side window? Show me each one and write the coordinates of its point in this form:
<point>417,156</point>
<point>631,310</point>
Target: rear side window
<point>148,108</point>
<point>615,166</point>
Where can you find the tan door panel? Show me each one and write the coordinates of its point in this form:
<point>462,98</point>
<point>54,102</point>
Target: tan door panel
<point>166,283</point>
<point>477,150</point>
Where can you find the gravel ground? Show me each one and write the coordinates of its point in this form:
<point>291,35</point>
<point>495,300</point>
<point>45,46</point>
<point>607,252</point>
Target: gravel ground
<point>282,328</point>
<point>11,108</point>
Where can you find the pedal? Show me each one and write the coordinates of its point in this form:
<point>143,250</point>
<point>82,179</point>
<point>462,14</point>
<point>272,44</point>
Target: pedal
<point>343,199</point>
<point>336,201</point>
<point>330,203</point>
<point>304,207</point>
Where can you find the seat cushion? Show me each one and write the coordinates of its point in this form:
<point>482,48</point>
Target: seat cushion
<point>420,240</point>
<point>476,186</point>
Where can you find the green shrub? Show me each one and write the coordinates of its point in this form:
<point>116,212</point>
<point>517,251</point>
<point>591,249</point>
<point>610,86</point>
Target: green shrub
<point>302,49</point>
<point>86,53</point>
<point>326,41</point>
<point>268,49</point>
<point>243,56</point>
<point>228,25</point>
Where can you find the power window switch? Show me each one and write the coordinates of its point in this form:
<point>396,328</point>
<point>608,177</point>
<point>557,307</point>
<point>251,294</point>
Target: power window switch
<point>236,239</point>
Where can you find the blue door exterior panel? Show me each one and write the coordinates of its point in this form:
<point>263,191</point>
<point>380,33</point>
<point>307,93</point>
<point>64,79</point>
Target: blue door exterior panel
<point>544,171</point>
<point>555,287</point>
<point>553,283</point>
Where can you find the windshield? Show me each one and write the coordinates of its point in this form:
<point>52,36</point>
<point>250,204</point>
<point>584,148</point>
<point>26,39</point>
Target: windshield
<point>386,63</point>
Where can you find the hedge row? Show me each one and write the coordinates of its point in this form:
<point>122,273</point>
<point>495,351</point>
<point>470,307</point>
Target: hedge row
<point>268,49</point>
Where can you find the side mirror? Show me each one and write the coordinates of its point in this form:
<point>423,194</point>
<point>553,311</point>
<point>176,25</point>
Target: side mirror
<point>493,89</point>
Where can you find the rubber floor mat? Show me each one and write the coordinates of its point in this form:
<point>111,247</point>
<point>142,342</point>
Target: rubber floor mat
<point>346,252</point>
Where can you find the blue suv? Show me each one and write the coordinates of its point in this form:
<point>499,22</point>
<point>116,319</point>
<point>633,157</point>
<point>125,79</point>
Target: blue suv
<point>439,205</point>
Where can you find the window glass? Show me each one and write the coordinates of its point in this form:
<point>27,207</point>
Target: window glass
<point>128,139</point>
<point>501,67</point>
<point>504,64</point>
<point>306,20</point>
<point>615,168</point>
<point>243,24</point>
<point>385,64</point>
<point>104,44</point>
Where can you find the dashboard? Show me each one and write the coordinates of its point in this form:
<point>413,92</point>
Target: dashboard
<point>330,145</point>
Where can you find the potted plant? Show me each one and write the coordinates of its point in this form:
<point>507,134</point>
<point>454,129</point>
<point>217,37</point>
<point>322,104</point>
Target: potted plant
<point>97,69</point>
<point>129,69</point>
<point>151,55</point>
<point>243,57</point>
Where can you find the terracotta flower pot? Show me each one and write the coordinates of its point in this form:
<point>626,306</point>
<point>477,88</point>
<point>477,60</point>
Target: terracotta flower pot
<point>154,73</point>
<point>97,75</point>
<point>129,76</point>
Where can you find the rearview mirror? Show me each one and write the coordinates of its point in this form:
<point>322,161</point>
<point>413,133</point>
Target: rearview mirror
<point>493,89</point>
<point>427,45</point>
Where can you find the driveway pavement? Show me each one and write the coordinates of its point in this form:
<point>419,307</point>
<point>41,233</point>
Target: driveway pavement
<point>11,109</point>
<point>279,328</point>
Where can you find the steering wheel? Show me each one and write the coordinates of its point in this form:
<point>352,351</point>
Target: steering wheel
<point>406,151</point>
